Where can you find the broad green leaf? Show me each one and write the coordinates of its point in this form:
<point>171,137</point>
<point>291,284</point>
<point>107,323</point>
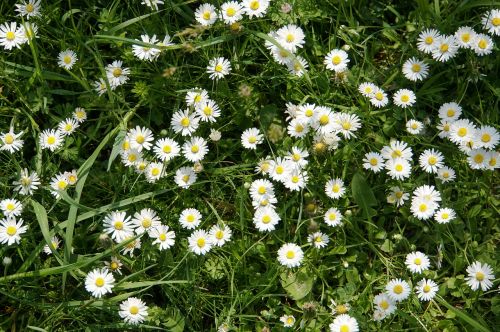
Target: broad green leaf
<point>297,284</point>
<point>363,195</point>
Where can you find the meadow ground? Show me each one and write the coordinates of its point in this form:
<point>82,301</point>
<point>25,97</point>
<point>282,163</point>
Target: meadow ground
<point>316,165</point>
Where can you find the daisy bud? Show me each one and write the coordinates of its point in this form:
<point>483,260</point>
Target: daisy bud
<point>346,47</point>
<point>197,167</point>
<point>246,185</point>
<point>345,264</point>
<point>7,261</point>
<point>104,240</point>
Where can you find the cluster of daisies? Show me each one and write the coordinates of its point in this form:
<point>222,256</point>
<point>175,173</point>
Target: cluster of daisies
<point>231,11</point>
<point>12,34</point>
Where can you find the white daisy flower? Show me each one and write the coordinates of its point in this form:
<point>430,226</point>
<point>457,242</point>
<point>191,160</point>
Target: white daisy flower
<point>487,137</point>
<point>184,123</point>
<point>268,201</point>
<point>482,44</point>
<point>415,70</point>
<point>367,89</point>
<point>344,323</point>
<point>446,174</point>
<point>116,74</point>
<point>51,139</point>
<point>261,189</point>
<point>166,149</point>
<point>114,265</point>
<point>214,135</point>
<point>251,137</point>
<point>428,40</point>
<point>133,310</point>
<point>373,161</point>
<point>404,98</point>
<point>145,220</point>
<point>335,188</point>
<point>291,37</point>
<point>397,196</point>
<point>231,12</point>
<point>99,282</point>
<point>265,219</point>
<point>444,128</point>
<point>190,218</point>
<point>337,60</point>
<point>446,48</point>
<point>263,166</point>
<point>54,245</point>
<point>200,242</point>
<point>398,290</point>
<point>11,35</point>
<point>30,8</point>
<point>130,157</point>
<point>491,21</point>
<point>11,207</point>
<point>431,160</point>
<point>477,158</point>
<point>29,30</point>
<point>206,14</point>
<point>118,225</point>
<point>479,275</point>
<point>379,98</point>
<point>444,215</point>
<point>287,320</point>
<point>11,230</point>
<point>130,246</point>
<point>68,126</point>
<point>428,193</point>
<point>10,141</point>
<point>422,209</point>
<point>426,289</point>
<point>347,124</point>
<point>140,138</point>
<point>333,217</point>
<point>67,59</point>
<point>417,262</point>
<point>296,179</point>
<point>196,96</point>
<point>379,315</point>
<point>307,113</point>
<point>398,168</point>
<point>290,255</point>
<point>218,68</point>
<point>100,87</point>
<point>384,303</point>
<point>414,127</point>
<point>492,160</point>
<point>185,177</point>
<point>465,36</point>
<point>450,111</point>
<point>280,169</point>
<point>298,157</point>
<point>72,177</point>
<point>195,149</point>
<point>297,128</point>
<point>162,236</point>
<point>220,235</point>
<point>58,183</point>
<point>397,149</point>
<point>208,110</point>
<point>318,240</point>
<point>280,55</point>
<point>154,172</point>
<point>146,53</point>
<point>27,182</point>
<point>255,8</point>
<point>297,66</point>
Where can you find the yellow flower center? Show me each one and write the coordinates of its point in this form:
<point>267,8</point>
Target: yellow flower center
<point>416,67</point>
<point>384,304</point>
<point>423,207</point>
<point>67,59</point>
<point>295,179</point>
<point>336,188</point>
<point>265,166</point>
<point>230,12</point>
<point>462,132</point>
<point>185,122</point>
<point>290,254</point>
<point>9,139</point>
<point>185,178</point>
<point>309,113</point>
<point>68,127</point>
<point>195,148</point>
<point>10,206</point>
<point>134,310</point>
<point>414,126</point>
<point>429,40</point>
<point>266,219</point>
<point>445,215</point>
<point>344,328</point>
<point>446,175</point>
<point>280,170</point>
<point>99,282</point>
<point>450,112</point>
<point>290,320</point>
<point>219,235</point>
<point>417,261</point>
<point>398,289</point>
<point>299,128</point>
<point>336,59</point>
<point>379,96</point>
<point>485,138</point>
<point>117,72</point>
<point>252,139</point>
<point>190,218</point>
<point>346,125</point>
<point>341,309</point>
<point>290,38</point>
<point>332,216</point>
<point>446,127</point>
<point>167,149</point>
<point>10,35</point>
<point>444,48</point>
<point>324,120</point>
<point>61,185</point>
<point>262,190</point>
<point>126,145</point>
<point>118,225</point>
<point>140,139</point>
<point>200,242</point>
<point>482,44</point>
<point>318,239</point>
<point>398,194</point>
<point>197,98</point>
<point>51,140</point>
<point>478,158</point>
<point>218,68</point>
<point>155,171</point>
<point>30,8</point>
<point>373,161</point>
<point>296,157</point>
<point>398,167</point>
<point>25,181</point>
<point>162,237</point>
<point>254,5</point>
<point>206,15</point>
<point>480,276</point>
<point>146,222</point>
<point>11,230</point>
<point>466,37</point>
<point>432,160</point>
<point>405,98</point>
<point>207,110</point>
<point>426,289</point>
<point>492,162</point>
<point>495,21</point>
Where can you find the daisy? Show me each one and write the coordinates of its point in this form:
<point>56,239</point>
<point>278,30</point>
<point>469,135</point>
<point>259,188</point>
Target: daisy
<point>145,220</point>
<point>344,323</point>
<point>482,44</point>
<point>265,219</point>
<point>287,320</point>
<point>144,52</point>
<point>71,177</point>
<point>431,160</point>
<point>398,168</point>
<point>250,138</point>
<point>446,48</point>
<point>428,40</point>
<point>219,235</point>
<point>68,126</point>
<point>51,139</point>
<point>190,218</point>
<point>446,174</point>
<point>200,242</point>
<point>118,225</point>
<point>379,315</point>
<point>255,8</point>
<point>11,141</point>
<point>100,87</point>
<point>290,255</point>
<point>397,289</point>
<point>373,161</point>
<point>337,60</point>
<point>208,110</point>
<point>444,215</point>
<point>130,157</point>
<point>367,89</point>
<point>133,310</point>
<point>140,138</point>
<point>261,189</point>
<point>479,275</point>
<point>153,172</point>
<point>465,36</point>
<point>116,74</point>
<point>218,68</point>
<point>30,8</point>
<point>280,169</point>
<point>206,14</point>
<point>414,127</point>
<point>477,158</point>
<point>423,209</point>
<point>57,184</point>
<point>99,282</point>
<point>195,149</point>
<point>404,98</point>
<point>397,196</point>
<point>415,70</point>
<point>196,96</point>
<point>264,166</point>
<point>67,59</point>
<point>162,236</point>
<point>491,21</point>
<point>280,55</point>
<point>417,262</point>
<point>11,207</point>
<point>335,188</point>
<point>307,113</point>
<point>492,160</point>
<point>297,66</point>
<point>397,149</point>
<point>11,230</point>
<point>27,182</point>
<point>290,37</point>
<point>166,149</point>
<point>215,135</point>
<point>296,179</point>
<point>318,240</point>
<point>487,137</point>
<point>379,98</point>
<point>298,157</point>
<point>184,123</point>
<point>11,35</point>
<point>231,12</point>
<point>450,111</point>
<point>153,4</point>
<point>29,30</point>
<point>131,245</point>
<point>185,177</point>
<point>297,128</point>
<point>347,124</point>
<point>428,193</point>
<point>54,245</point>
<point>384,303</point>
<point>114,265</point>
<point>333,217</point>
<point>426,289</point>
<point>339,308</point>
